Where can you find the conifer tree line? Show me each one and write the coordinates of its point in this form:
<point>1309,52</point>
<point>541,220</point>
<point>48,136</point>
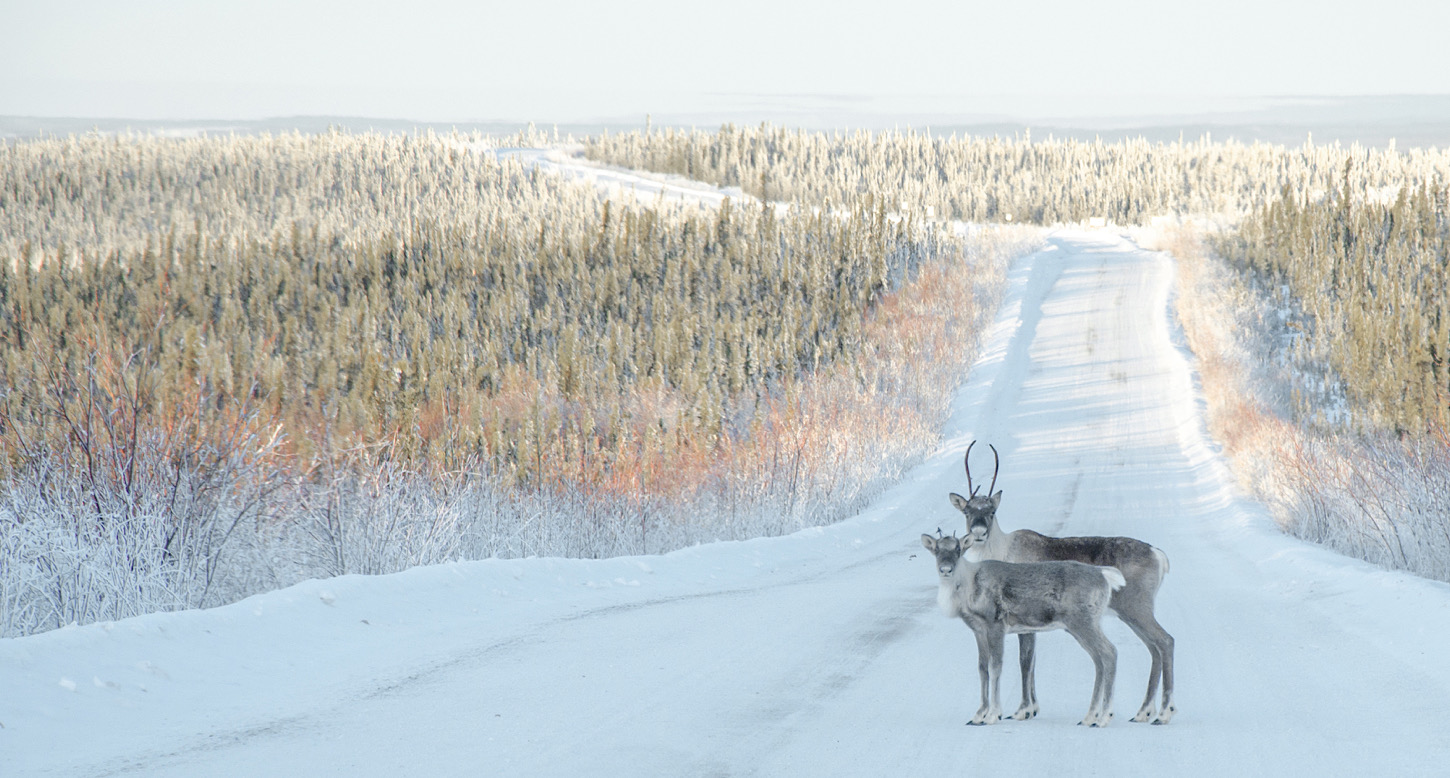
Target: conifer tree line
<point>1357,234</point>
<point>1367,284</point>
<point>363,284</point>
<point>984,179</point>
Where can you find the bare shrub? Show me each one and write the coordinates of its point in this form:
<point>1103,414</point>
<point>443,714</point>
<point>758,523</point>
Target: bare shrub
<point>1378,498</point>
<point>120,509</point>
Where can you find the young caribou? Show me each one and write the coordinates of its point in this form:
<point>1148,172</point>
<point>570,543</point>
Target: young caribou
<point>1142,565</point>
<point>995,598</point>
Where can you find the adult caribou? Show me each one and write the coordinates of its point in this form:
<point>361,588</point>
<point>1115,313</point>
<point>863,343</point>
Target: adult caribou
<point>1142,565</point>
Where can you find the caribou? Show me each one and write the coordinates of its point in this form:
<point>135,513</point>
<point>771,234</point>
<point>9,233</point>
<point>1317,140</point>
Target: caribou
<point>995,598</point>
<point>1143,567</point>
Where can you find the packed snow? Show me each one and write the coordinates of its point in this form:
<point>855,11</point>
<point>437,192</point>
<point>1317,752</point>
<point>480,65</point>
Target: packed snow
<point>820,653</point>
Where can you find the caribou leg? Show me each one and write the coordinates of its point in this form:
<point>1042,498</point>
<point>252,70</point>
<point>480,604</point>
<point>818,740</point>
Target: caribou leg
<point>1027,653</point>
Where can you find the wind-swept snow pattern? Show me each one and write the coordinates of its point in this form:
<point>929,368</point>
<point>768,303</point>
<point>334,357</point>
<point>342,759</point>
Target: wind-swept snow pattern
<point>819,653</point>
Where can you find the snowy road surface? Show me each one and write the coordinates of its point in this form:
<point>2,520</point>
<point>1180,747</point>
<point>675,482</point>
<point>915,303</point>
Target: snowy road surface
<point>644,186</point>
<point>821,653</point>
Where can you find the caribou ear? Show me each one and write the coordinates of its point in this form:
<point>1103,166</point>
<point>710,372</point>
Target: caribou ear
<point>996,499</point>
<point>959,502</point>
<point>929,542</point>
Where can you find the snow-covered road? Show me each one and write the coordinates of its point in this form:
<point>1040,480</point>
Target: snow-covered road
<point>642,185</point>
<point>821,653</point>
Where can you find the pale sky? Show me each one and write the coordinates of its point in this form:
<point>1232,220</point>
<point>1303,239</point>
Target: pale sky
<point>441,60</point>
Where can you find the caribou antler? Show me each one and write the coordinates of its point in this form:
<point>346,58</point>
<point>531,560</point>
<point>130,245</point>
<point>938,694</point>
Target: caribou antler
<point>967,461</point>
<point>996,465</point>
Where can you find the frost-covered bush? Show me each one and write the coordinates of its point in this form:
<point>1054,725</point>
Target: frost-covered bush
<point>124,516</point>
<point>1378,498</point>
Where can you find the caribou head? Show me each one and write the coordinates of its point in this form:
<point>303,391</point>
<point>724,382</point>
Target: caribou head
<point>980,510</point>
<point>947,549</point>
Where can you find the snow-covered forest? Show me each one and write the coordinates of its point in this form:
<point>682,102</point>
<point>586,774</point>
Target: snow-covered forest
<point>235,363</point>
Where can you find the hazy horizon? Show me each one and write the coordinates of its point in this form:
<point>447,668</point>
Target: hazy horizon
<point>1350,70</point>
<point>574,61</point>
<point>1409,121</point>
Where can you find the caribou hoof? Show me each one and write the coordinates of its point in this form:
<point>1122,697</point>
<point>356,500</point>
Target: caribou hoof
<point>1165,716</point>
<point>1025,712</point>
